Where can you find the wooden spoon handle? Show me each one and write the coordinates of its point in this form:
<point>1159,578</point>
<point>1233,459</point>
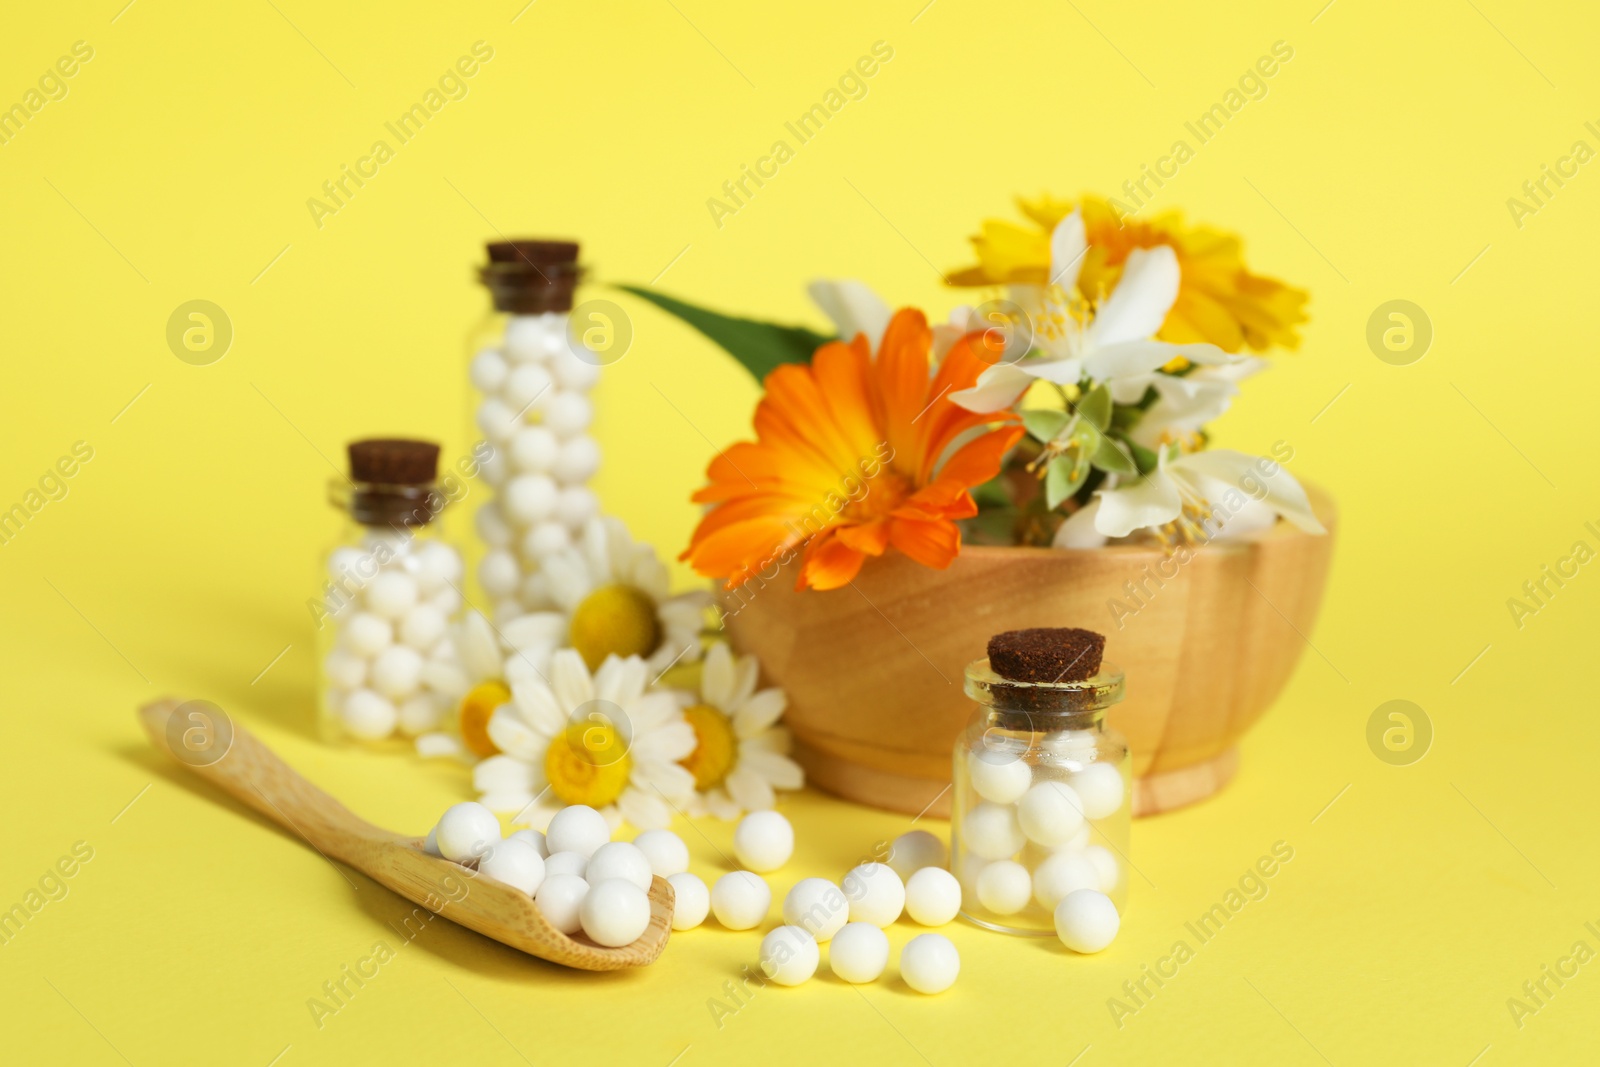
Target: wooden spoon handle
<point>205,739</point>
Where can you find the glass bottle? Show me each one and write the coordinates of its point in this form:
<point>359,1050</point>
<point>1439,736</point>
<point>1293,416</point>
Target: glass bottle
<point>530,404</point>
<point>391,591</point>
<point>1041,803</point>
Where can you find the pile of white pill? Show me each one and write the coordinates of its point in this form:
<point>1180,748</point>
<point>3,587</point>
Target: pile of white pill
<point>579,879</point>
<point>535,411</point>
<point>391,633</point>
<point>1026,843</point>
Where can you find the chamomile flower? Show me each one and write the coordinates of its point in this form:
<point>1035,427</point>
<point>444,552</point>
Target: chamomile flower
<point>605,740</point>
<point>610,596</point>
<point>487,662</point>
<point>740,754</point>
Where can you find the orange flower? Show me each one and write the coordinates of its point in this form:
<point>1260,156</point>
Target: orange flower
<point>850,460</point>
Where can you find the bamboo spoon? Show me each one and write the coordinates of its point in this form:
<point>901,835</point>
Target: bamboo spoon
<point>253,774</point>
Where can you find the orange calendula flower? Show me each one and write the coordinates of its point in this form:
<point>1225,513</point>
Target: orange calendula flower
<point>1219,299</point>
<point>853,456</point>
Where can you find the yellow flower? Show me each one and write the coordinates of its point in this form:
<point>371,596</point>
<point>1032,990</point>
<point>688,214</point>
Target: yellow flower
<point>1219,299</point>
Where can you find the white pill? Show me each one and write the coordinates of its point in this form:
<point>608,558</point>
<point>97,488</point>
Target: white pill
<point>1100,786</point>
<point>487,370</point>
<point>876,894</point>
<point>999,775</point>
<point>1086,920</point>
<point>567,413</point>
<point>859,953</point>
<point>498,421</point>
<point>366,635</point>
<point>619,859</point>
<point>915,850</point>
<point>1062,873</point>
<point>345,669</point>
<point>930,963</point>
<point>1071,744</point>
<point>391,594</point>
<point>615,913</point>
<point>395,672</point>
<point>498,573</point>
<point>817,906</point>
<point>789,955</point>
<point>525,337</point>
<point>691,900</point>
<point>1004,887</point>
<point>438,566</point>
<point>533,449</point>
<point>467,831</point>
<point>532,837</point>
<point>545,539</point>
<point>576,505</point>
<point>367,715</point>
<point>492,526</point>
<point>516,863</point>
<point>447,600</point>
<point>933,896</point>
<point>418,714</point>
<point>422,626</point>
<point>493,468</point>
<point>525,387</point>
<point>577,461</point>
<point>665,850</point>
<point>763,840</point>
<point>560,899</point>
<point>430,844</point>
<point>575,371</point>
<point>1050,813</point>
<point>566,863</point>
<point>1105,865</point>
<point>342,561</point>
<point>740,900</point>
<point>529,498</point>
<point>579,829</point>
<point>991,831</point>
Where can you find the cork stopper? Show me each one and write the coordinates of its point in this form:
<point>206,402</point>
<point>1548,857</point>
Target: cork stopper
<point>531,276</point>
<point>391,483</point>
<point>394,461</point>
<point>1046,654</point>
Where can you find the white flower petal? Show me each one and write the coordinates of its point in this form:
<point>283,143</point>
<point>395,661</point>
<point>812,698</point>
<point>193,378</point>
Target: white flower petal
<point>515,737</point>
<point>1079,530</point>
<point>536,630</point>
<point>1139,304</point>
<point>996,388</point>
<point>569,680</point>
<point>477,648</point>
<point>507,802</point>
<point>1151,501</point>
<point>1067,249</point>
<point>717,676</point>
<point>537,706</point>
<point>644,811</point>
<point>760,711</point>
<point>750,789</point>
<point>438,745</point>
<point>499,774</point>
<point>1277,490</point>
<point>781,771</point>
<point>671,779</point>
<point>853,307</point>
<point>747,675</point>
<point>720,804</point>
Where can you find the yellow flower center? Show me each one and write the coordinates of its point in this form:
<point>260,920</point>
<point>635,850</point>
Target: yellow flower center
<point>714,753</point>
<point>476,708</point>
<point>588,763</point>
<point>615,620</point>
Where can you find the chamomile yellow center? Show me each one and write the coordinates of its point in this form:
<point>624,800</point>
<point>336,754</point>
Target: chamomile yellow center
<point>614,620</point>
<point>716,746</point>
<point>588,763</point>
<point>476,708</point>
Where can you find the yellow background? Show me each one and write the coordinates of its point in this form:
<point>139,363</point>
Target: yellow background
<point>1378,167</point>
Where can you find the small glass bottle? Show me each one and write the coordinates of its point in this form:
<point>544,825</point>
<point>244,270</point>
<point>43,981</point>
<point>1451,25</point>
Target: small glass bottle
<point>1041,798</point>
<point>391,592</point>
<point>530,403</point>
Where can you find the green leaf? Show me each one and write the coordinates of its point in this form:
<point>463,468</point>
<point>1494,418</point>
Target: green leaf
<point>1096,407</point>
<point>1045,423</point>
<point>1111,456</point>
<point>1062,478</point>
<point>1146,459</point>
<point>760,347</point>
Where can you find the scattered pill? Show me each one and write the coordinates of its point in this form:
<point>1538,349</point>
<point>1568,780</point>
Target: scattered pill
<point>789,955</point>
<point>690,900</point>
<point>930,963</point>
<point>933,896</point>
<point>1086,920</point>
<point>876,894</point>
<point>665,850</point>
<point>859,952</point>
<point>915,850</point>
<point>740,900</point>
<point>763,840</point>
<point>817,906</point>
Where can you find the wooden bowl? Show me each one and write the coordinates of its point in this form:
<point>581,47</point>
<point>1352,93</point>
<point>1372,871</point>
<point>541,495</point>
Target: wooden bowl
<point>874,670</point>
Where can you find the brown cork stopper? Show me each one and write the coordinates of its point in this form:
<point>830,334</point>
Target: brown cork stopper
<point>1046,654</point>
<point>529,277</point>
<point>394,461</point>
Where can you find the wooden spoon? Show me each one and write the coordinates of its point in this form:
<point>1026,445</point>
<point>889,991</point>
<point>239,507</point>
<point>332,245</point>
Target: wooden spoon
<point>253,774</point>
